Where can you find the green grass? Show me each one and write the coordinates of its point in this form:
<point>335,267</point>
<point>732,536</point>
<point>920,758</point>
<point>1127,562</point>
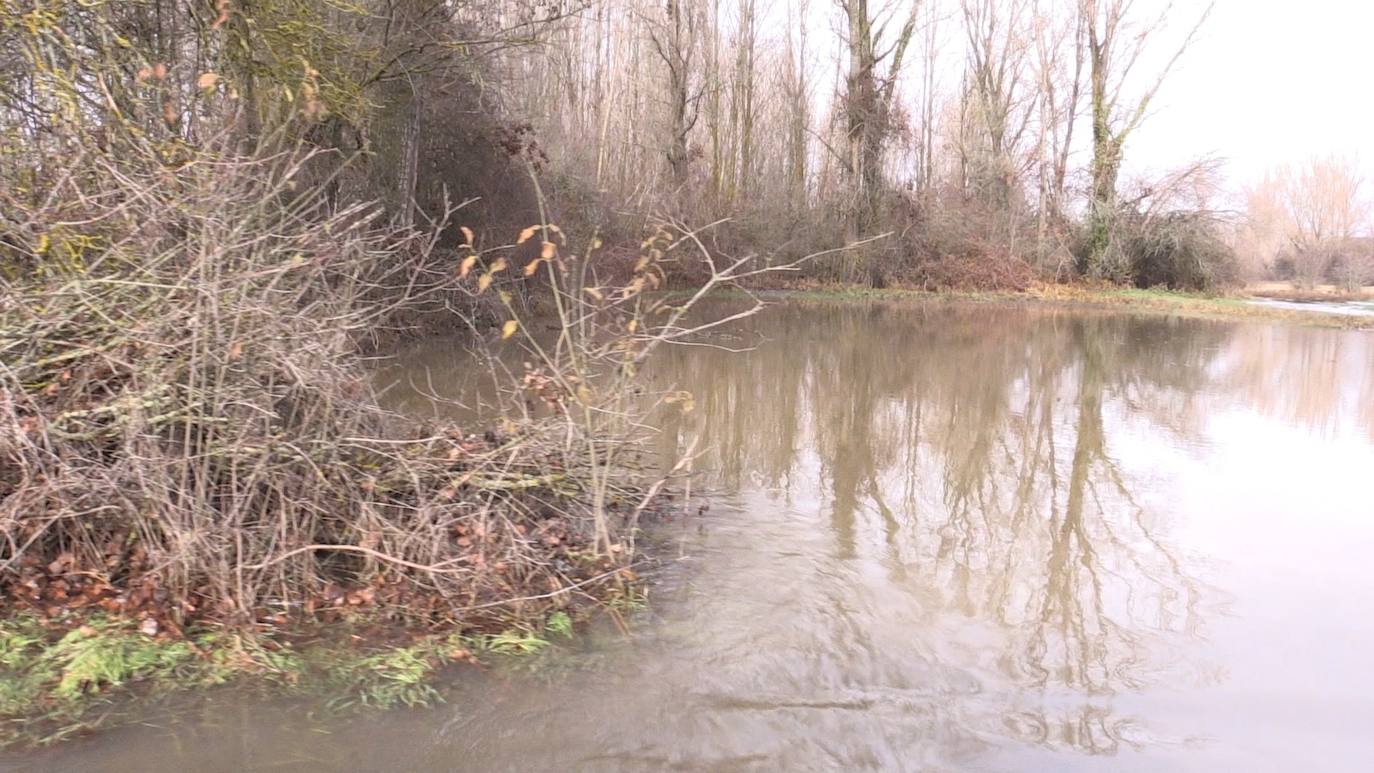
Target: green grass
<point>387,679</point>
<point>56,681</point>
<point>49,686</point>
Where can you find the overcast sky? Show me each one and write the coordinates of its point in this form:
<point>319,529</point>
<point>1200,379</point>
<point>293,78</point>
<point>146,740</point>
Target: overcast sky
<point>1268,81</point>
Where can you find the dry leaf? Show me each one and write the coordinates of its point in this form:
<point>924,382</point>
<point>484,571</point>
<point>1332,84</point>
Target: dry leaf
<point>550,249</point>
<point>595,293</point>
<point>527,234</point>
<point>499,265</point>
<point>207,81</point>
<point>466,266</point>
<point>532,267</point>
<point>508,329</point>
<point>467,235</point>
<point>483,283</point>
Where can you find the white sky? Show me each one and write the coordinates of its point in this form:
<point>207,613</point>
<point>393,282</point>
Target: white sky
<point>1268,81</point>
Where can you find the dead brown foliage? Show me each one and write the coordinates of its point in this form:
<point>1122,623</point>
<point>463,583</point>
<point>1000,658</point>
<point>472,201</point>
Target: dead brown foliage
<point>185,426</point>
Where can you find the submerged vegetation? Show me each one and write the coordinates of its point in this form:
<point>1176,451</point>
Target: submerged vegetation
<point>57,680</point>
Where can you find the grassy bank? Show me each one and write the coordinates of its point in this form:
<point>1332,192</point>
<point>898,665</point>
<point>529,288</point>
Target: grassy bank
<point>1156,301</point>
<point>61,678</point>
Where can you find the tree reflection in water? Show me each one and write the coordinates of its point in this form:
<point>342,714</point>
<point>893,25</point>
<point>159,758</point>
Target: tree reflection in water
<point>976,451</point>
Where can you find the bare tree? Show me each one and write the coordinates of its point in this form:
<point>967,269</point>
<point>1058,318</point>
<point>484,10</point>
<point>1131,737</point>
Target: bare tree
<point>674,39</point>
<point>1115,45</point>
<point>1001,105</point>
<point>1060,84</point>
<point>797,92</point>
<point>1324,209</point>
<point>742,97</point>
<point>868,103</point>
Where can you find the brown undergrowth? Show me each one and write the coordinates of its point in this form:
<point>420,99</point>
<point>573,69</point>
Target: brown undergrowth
<point>189,441</point>
<point>186,431</point>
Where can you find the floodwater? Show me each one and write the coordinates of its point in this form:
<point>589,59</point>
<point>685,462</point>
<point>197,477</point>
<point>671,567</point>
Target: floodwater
<point>1339,308</point>
<point>941,537</point>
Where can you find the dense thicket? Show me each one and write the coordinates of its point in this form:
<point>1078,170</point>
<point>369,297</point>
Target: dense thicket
<point>207,211</point>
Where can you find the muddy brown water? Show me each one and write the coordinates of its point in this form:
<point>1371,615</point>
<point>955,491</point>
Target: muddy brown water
<point>943,537</point>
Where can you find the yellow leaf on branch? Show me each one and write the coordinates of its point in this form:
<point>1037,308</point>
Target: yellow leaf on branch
<point>466,266</point>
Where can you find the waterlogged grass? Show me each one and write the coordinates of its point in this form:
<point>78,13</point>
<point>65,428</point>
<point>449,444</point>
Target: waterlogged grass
<point>1193,305</point>
<point>1157,300</point>
<point>48,686</point>
<point>55,683</point>
<point>397,677</point>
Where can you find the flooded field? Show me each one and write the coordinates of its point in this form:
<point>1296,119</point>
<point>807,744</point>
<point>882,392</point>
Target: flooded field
<point>1340,308</point>
<point>940,537</point>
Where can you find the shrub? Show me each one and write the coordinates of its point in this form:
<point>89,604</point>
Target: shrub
<point>1180,250</point>
<point>965,244</point>
<point>185,422</point>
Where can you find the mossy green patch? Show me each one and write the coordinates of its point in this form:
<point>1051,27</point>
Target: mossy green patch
<point>58,680</point>
<point>52,680</point>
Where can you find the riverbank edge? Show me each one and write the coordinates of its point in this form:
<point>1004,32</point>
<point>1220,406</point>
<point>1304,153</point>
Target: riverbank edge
<point>64,678</point>
<point>1153,301</point>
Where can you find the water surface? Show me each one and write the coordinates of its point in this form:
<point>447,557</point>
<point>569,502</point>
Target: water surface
<point>942,537</point>
<point>1340,308</point>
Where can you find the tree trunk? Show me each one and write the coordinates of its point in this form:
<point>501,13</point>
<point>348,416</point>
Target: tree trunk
<point>1106,161</point>
<point>410,154</point>
<point>864,134</point>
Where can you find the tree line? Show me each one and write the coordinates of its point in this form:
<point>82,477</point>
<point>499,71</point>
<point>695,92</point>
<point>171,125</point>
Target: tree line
<point>986,136</point>
<point>985,139</point>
